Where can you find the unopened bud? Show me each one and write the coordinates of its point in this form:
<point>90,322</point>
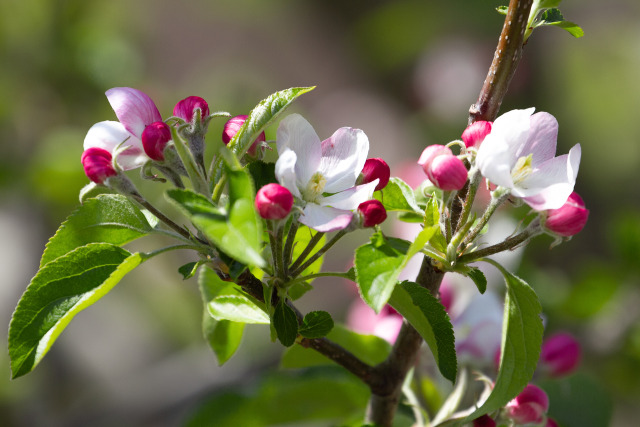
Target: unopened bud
<point>529,407</point>
<point>372,213</point>
<point>273,201</point>
<point>444,170</point>
<point>484,421</point>
<point>373,169</point>
<point>551,423</point>
<point>155,138</point>
<point>475,133</point>
<point>232,127</point>
<point>186,108</point>
<point>97,164</point>
<point>560,354</point>
<point>568,219</point>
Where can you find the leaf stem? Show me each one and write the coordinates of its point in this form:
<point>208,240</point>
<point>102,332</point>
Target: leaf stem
<point>312,244</point>
<point>318,254</point>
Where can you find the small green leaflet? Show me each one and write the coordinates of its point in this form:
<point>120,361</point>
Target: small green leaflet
<point>554,18</point>
<point>108,218</point>
<point>316,324</point>
<point>398,196</point>
<point>238,233</point>
<point>521,342</point>
<point>285,323</point>
<point>189,269</point>
<point>379,263</point>
<point>59,291</point>
<point>478,278</point>
<point>428,316</point>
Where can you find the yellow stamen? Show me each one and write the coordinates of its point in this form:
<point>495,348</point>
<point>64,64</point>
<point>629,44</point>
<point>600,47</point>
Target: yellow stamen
<point>315,187</point>
<point>522,169</point>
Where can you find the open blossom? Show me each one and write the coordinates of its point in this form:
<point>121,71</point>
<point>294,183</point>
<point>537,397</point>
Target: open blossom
<point>519,154</point>
<point>135,111</point>
<point>322,174</point>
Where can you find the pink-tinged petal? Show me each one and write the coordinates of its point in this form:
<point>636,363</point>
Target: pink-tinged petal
<point>185,108</point>
<point>109,135</point>
<point>295,133</point>
<point>134,108</point>
<point>343,157</point>
<point>513,128</point>
<point>542,140</point>
<point>286,171</point>
<point>325,219</point>
<point>550,185</point>
<point>388,328</point>
<point>351,198</point>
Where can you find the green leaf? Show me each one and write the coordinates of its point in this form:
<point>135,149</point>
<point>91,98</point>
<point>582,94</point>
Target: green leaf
<point>303,237</point>
<point>59,291</point>
<point>316,324</point>
<point>554,18</point>
<point>259,119</point>
<point>285,323</point>
<point>428,316</point>
<point>189,269</point>
<point>108,218</point>
<point>225,301</point>
<point>521,342</point>
<point>237,233</point>
<point>502,10</point>
<point>223,336</point>
<point>368,348</point>
<point>478,278</point>
<point>379,263</point>
<point>262,173</point>
<point>398,196</point>
<point>298,289</point>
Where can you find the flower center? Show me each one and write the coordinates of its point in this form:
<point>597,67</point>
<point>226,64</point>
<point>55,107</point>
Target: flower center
<point>522,169</point>
<point>315,187</point>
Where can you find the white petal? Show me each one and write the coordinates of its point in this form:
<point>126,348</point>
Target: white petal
<point>343,157</point>
<point>555,182</point>
<point>350,198</point>
<point>543,135</point>
<point>295,133</point>
<point>134,108</point>
<point>325,219</point>
<point>286,172</point>
<point>495,161</point>
<point>109,135</point>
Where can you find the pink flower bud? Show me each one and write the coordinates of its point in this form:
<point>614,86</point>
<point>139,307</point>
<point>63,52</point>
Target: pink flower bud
<point>444,170</point>
<point>569,219</point>
<point>185,109</point>
<point>372,213</point>
<point>155,138</point>
<point>273,201</point>
<point>560,354</point>
<point>376,169</point>
<point>475,133</point>
<point>97,164</point>
<point>529,407</point>
<point>232,127</point>
<point>447,173</point>
<point>484,421</point>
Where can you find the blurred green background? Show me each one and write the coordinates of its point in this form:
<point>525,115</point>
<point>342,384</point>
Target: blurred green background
<point>405,71</point>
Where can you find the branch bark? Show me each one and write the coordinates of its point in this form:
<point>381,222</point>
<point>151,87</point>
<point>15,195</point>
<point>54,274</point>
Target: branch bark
<point>504,64</point>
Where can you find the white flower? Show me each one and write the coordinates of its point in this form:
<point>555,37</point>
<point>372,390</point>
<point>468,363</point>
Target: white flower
<point>519,154</point>
<point>322,175</point>
<point>135,110</point>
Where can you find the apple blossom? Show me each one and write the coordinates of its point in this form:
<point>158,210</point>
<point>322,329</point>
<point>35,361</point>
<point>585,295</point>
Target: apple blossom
<point>475,133</point>
<point>519,155</point>
<point>97,164</point>
<point>185,109</point>
<point>154,139</point>
<point>372,213</point>
<point>375,168</point>
<point>322,174</point>
<point>363,319</point>
<point>232,127</point>
<point>567,220</point>
<point>529,407</point>
<point>135,111</point>
<point>273,201</point>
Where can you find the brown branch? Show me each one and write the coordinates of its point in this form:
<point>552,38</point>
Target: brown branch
<point>505,61</point>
